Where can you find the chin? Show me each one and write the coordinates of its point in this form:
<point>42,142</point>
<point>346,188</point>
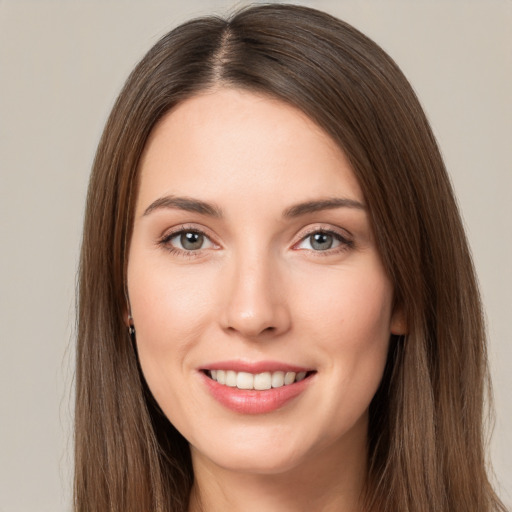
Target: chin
<point>254,461</point>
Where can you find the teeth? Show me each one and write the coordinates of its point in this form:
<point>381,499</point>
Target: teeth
<point>263,381</point>
<point>260,381</point>
<point>289,378</point>
<point>277,379</point>
<point>231,379</point>
<point>300,376</point>
<point>244,380</point>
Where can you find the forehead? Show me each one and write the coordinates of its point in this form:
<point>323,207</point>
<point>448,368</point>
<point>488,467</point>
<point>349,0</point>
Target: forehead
<point>234,142</point>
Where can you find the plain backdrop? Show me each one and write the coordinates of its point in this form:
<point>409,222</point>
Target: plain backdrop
<point>62,64</point>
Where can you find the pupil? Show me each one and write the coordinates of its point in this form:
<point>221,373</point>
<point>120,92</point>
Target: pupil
<point>321,241</point>
<point>191,241</point>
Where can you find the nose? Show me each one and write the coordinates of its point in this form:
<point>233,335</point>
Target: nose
<point>256,305</point>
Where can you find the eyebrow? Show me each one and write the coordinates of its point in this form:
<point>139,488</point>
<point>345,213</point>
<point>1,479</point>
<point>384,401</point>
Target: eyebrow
<point>322,204</point>
<point>202,207</point>
<point>184,203</point>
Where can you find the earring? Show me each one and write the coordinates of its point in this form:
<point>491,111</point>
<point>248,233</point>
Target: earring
<point>131,329</point>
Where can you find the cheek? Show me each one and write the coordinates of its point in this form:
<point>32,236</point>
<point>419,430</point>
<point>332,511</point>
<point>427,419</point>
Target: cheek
<point>170,310</point>
<point>165,302</point>
<point>350,309</point>
<point>169,316</point>
<point>351,325</point>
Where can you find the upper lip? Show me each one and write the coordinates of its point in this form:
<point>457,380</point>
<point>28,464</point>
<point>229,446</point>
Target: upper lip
<point>255,366</point>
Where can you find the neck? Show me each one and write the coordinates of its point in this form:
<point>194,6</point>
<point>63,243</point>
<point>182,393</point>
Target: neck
<point>331,480</point>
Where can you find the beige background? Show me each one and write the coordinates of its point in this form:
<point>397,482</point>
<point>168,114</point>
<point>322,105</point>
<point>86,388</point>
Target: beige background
<point>62,64</point>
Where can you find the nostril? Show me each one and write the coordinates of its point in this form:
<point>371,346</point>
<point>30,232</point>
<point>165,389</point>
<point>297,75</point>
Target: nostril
<point>252,331</point>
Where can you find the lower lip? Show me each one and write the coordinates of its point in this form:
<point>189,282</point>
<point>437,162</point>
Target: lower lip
<point>251,401</point>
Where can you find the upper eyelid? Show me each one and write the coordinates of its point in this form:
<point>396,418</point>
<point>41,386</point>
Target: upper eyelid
<point>344,233</point>
<point>344,237</point>
<point>183,228</point>
<point>302,234</point>
<point>164,241</point>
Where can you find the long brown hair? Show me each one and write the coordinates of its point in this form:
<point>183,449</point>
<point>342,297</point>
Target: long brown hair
<point>426,447</point>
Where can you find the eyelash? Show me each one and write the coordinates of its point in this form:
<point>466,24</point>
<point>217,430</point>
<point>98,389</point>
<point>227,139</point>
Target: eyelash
<point>344,242</point>
<point>166,239</point>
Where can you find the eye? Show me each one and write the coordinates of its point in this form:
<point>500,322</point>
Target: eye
<point>322,240</point>
<point>188,240</point>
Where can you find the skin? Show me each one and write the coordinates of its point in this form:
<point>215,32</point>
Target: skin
<point>258,289</point>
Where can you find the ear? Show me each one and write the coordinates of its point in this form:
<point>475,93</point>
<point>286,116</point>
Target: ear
<point>398,324</point>
<point>127,314</point>
<point>127,318</point>
<point>127,310</point>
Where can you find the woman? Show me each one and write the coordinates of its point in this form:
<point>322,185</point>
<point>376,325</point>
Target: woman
<point>277,306</point>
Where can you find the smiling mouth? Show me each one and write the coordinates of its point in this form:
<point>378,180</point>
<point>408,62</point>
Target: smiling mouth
<point>256,381</point>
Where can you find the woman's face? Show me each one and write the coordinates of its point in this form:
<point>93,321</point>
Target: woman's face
<point>261,306</point>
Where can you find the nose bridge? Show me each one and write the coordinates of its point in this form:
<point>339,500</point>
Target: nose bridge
<point>255,303</point>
